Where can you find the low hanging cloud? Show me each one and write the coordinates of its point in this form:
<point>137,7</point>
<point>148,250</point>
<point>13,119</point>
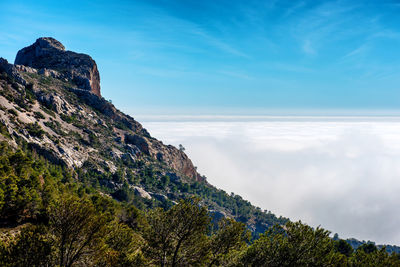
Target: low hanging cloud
<point>342,174</point>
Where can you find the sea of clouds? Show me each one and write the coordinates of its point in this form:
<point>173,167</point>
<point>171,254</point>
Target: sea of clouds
<point>342,173</point>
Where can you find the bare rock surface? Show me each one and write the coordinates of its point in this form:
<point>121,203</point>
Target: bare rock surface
<point>141,192</point>
<point>48,53</point>
<point>52,73</point>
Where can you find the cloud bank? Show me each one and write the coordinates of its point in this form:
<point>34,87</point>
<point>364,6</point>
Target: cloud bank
<point>341,173</point>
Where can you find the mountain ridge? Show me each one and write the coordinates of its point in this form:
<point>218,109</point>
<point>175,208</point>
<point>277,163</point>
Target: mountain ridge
<point>138,136</point>
<point>45,107</point>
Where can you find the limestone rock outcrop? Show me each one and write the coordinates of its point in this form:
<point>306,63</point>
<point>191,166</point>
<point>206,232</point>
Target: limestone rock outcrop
<point>73,122</point>
<point>11,70</point>
<point>48,53</point>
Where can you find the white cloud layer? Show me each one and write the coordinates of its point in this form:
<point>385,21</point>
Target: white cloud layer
<point>340,173</point>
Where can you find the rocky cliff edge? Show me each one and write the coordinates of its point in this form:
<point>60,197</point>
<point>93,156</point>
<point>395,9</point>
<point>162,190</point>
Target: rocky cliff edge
<point>51,99</point>
<point>49,54</point>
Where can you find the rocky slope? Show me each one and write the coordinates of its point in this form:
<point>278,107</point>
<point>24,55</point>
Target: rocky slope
<point>51,74</point>
<point>50,102</point>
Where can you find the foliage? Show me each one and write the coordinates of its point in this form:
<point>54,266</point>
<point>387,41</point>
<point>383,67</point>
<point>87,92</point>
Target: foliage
<point>177,237</point>
<point>39,115</point>
<point>13,112</point>
<point>373,258</point>
<point>77,228</point>
<point>35,130</point>
<point>295,244</point>
<point>20,187</point>
<point>227,242</point>
<point>343,247</point>
<point>32,247</point>
<point>4,131</point>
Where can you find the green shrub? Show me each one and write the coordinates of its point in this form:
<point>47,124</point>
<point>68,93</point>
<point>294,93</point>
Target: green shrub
<point>35,130</point>
<point>39,115</point>
<point>13,112</point>
<point>48,111</point>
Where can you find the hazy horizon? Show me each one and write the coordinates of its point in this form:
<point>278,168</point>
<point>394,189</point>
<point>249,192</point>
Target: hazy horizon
<point>337,172</point>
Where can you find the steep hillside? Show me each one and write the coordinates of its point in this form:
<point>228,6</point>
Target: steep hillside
<point>50,103</point>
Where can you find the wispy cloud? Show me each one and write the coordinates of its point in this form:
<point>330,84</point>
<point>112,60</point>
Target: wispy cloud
<point>219,43</point>
<point>386,33</point>
<point>169,73</point>
<point>177,29</point>
<point>291,68</point>
<point>316,27</point>
<point>359,51</point>
<point>294,8</point>
<point>308,48</point>
<point>236,74</point>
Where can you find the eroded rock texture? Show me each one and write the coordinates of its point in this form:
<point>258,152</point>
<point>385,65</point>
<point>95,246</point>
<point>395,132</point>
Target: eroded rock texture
<point>48,53</point>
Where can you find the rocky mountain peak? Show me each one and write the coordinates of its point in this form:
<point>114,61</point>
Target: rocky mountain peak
<point>75,124</point>
<point>48,53</point>
<point>49,43</point>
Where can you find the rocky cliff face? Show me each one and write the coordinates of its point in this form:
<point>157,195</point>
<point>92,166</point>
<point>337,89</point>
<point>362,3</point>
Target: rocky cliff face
<point>48,53</point>
<point>78,125</point>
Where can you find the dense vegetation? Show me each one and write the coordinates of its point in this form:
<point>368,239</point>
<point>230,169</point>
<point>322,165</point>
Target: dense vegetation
<point>49,216</point>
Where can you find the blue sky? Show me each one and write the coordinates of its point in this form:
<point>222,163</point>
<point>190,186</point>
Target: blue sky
<point>190,57</point>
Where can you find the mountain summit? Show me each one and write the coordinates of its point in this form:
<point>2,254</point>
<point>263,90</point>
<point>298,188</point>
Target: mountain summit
<point>78,126</point>
<point>48,53</point>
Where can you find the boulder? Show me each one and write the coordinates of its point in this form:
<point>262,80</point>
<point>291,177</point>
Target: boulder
<point>138,141</point>
<point>55,102</point>
<point>159,197</point>
<point>26,69</point>
<point>11,70</point>
<point>141,192</point>
<point>47,72</point>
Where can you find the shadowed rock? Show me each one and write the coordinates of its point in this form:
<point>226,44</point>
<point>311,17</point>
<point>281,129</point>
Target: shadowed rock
<point>48,53</point>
